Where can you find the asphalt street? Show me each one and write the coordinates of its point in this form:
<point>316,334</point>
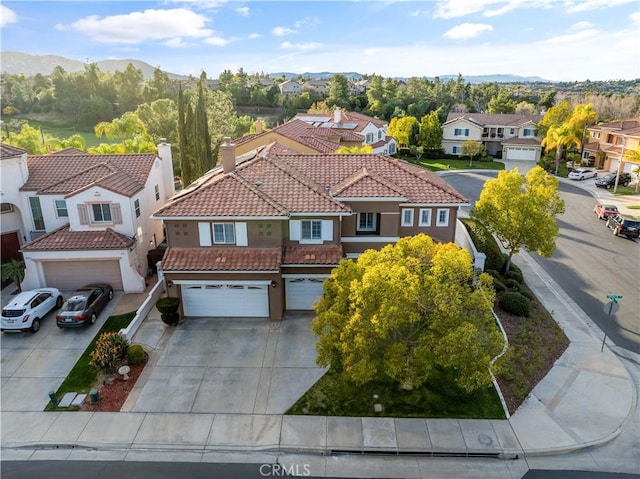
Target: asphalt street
<point>589,262</point>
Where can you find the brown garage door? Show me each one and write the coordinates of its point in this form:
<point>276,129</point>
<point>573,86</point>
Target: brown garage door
<point>68,275</point>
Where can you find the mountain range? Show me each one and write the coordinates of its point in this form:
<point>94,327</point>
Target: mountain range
<point>17,62</point>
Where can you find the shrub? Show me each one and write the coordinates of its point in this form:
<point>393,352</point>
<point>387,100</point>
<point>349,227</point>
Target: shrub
<point>513,274</point>
<point>111,349</point>
<point>493,273</point>
<point>498,286</point>
<point>527,294</point>
<point>512,284</point>
<point>486,243</point>
<point>135,354</point>
<point>516,268</point>
<point>515,303</point>
<point>168,305</point>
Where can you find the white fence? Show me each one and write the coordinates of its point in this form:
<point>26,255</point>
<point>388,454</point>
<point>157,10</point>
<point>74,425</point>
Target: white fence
<point>144,309</point>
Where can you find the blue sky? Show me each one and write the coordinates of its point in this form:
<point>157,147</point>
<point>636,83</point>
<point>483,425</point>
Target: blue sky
<point>554,39</point>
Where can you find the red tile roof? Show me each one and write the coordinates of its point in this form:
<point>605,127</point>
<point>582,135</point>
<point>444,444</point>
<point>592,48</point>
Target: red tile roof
<point>313,255</point>
<point>495,119</point>
<point>520,141</point>
<point>222,259</point>
<point>7,151</point>
<point>63,239</point>
<point>69,172</point>
<point>282,185</point>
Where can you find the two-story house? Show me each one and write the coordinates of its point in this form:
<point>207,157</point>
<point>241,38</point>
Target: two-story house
<point>290,88</point>
<point>259,236</point>
<point>322,133</point>
<point>608,142</point>
<point>82,218</point>
<point>511,138</point>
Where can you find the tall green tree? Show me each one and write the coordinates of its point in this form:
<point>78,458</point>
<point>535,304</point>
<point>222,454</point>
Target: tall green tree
<point>187,162</point>
<point>555,116</point>
<point>430,136</point>
<point>403,129</point>
<point>402,313</point>
<point>560,137</point>
<point>201,138</point>
<point>128,125</point>
<point>521,211</point>
<point>339,91</point>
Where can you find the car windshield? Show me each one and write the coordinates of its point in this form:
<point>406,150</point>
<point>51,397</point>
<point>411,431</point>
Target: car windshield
<point>632,223</point>
<point>12,313</point>
<point>77,303</point>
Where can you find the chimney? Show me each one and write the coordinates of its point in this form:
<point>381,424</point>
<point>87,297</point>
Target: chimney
<point>228,152</point>
<point>258,126</point>
<point>337,115</point>
<point>164,152</point>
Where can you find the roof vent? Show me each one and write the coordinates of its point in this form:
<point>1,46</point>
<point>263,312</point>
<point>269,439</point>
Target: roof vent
<point>258,183</point>
<point>328,189</point>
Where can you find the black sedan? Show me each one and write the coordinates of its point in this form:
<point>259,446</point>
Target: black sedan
<point>84,306</point>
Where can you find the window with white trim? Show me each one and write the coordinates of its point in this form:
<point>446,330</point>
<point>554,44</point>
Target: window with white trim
<point>392,148</point>
<point>224,233</point>
<point>61,209</point>
<point>369,138</point>
<point>136,205</point>
<point>101,213</point>
<point>6,208</point>
<point>36,212</point>
<point>311,230</point>
<point>461,132</point>
<point>443,217</point>
<point>425,217</point>
<point>528,132</point>
<point>157,191</point>
<point>407,217</point>
<point>455,150</point>
<point>367,222</point>
<point>512,131</point>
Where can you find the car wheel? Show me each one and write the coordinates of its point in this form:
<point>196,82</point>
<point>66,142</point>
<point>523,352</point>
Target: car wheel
<point>35,326</point>
<point>59,302</point>
<point>93,318</point>
<point>110,295</point>
<point>615,231</point>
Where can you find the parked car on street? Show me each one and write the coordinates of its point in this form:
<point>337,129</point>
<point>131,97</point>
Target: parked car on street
<point>583,173</point>
<point>84,306</point>
<point>27,309</point>
<point>609,180</point>
<point>624,225</point>
<point>604,211</point>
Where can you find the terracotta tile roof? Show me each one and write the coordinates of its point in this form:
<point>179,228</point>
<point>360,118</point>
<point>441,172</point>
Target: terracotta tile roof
<point>69,151</point>
<point>623,126</point>
<point>313,255</point>
<point>348,119</point>
<point>520,141</point>
<point>63,239</point>
<point>497,119</point>
<point>284,184</point>
<point>222,259</point>
<point>67,173</point>
<point>592,145</point>
<point>10,150</point>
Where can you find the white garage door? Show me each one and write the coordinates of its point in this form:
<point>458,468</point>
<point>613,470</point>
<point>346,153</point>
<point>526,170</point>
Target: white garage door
<point>521,154</point>
<point>69,275</point>
<point>303,292</point>
<point>228,300</point>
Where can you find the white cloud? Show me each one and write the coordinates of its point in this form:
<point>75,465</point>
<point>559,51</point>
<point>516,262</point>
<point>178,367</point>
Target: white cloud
<point>216,41</point>
<point>7,16</point>
<point>308,22</point>
<point>635,18</point>
<point>254,35</point>
<point>465,31</point>
<point>575,6</point>
<point>489,8</point>
<point>303,47</point>
<point>572,38</point>
<point>581,26</point>
<point>176,42</point>
<point>243,11</point>
<point>137,27</point>
<point>282,31</point>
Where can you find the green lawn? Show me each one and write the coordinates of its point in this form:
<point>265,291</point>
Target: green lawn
<point>83,375</point>
<point>332,395</point>
<point>61,131</point>
<point>447,164</point>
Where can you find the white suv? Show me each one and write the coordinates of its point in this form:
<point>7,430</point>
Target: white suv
<point>24,312</point>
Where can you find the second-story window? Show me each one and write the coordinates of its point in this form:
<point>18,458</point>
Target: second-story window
<point>407,217</point>
<point>157,190</point>
<point>528,132</point>
<point>311,230</point>
<point>367,222</point>
<point>36,212</point>
<point>136,205</point>
<point>61,209</point>
<point>101,213</point>
<point>224,233</point>
<point>461,132</point>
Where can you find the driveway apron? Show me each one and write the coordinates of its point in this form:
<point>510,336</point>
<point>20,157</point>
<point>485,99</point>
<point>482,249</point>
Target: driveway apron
<point>232,365</point>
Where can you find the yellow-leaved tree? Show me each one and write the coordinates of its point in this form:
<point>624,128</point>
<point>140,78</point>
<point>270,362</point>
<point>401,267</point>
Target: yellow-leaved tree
<point>405,312</point>
<point>521,211</point>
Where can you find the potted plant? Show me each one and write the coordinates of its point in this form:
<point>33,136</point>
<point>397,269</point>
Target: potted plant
<point>168,308</point>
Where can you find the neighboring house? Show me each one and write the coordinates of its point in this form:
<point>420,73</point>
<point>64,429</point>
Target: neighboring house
<point>290,87</point>
<point>319,88</point>
<point>311,134</point>
<point>83,218</point>
<point>510,138</point>
<point>608,142</point>
<point>259,235</point>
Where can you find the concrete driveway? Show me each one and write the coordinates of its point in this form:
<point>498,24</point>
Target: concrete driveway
<point>32,364</point>
<point>229,365</point>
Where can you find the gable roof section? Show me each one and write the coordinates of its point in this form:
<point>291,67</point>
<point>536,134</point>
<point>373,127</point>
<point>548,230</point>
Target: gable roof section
<point>366,184</point>
<point>495,119</point>
<point>63,239</point>
<point>312,254</point>
<point>67,173</point>
<point>10,151</point>
<point>222,259</point>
